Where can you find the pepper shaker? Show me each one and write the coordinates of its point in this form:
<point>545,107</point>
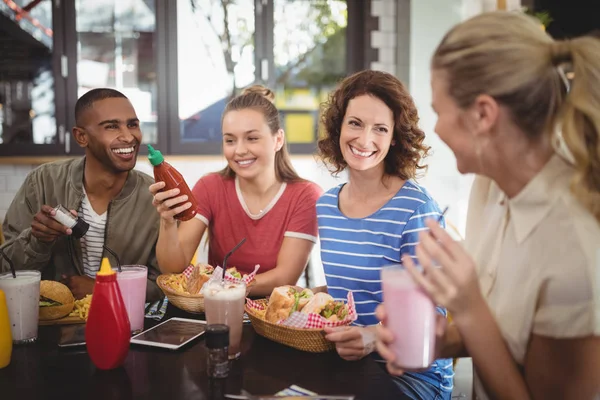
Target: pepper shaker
<point>217,343</point>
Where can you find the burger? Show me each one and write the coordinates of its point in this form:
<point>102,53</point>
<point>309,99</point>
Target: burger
<point>56,300</point>
<point>324,305</point>
<point>285,300</point>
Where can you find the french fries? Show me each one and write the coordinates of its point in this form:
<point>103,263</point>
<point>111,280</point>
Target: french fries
<point>177,282</point>
<point>82,308</point>
<point>201,273</point>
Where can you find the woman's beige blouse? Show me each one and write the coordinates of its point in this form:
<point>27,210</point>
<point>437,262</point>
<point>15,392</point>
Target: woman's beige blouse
<point>538,258</point>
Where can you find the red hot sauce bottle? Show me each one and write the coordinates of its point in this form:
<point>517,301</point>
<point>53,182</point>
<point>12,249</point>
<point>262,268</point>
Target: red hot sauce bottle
<point>164,172</point>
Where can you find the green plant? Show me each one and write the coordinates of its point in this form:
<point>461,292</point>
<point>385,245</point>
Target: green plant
<point>543,16</point>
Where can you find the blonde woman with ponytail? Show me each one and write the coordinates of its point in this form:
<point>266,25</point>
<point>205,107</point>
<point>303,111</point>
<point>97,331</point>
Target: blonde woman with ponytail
<point>257,196</point>
<point>521,111</point>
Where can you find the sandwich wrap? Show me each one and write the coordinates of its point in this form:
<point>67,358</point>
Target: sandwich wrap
<point>324,305</point>
<point>303,320</point>
<point>285,300</point>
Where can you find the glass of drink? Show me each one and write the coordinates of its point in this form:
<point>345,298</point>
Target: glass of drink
<point>224,304</point>
<point>411,316</point>
<point>132,282</point>
<point>23,303</point>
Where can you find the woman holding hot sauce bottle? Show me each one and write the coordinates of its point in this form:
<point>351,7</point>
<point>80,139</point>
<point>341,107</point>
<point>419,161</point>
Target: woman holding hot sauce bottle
<point>257,196</point>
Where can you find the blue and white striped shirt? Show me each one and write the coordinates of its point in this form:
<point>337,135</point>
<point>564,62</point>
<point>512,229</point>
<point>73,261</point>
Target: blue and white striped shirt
<point>353,251</point>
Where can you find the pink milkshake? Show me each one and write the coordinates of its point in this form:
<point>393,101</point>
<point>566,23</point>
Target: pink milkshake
<point>132,283</point>
<point>411,317</point>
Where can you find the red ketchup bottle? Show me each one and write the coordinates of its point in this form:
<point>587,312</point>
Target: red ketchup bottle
<point>164,172</point>
<point>107,331</point>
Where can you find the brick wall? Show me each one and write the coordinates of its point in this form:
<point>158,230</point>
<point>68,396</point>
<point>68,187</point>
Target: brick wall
<point>11,179</point>
<point>384,39</point>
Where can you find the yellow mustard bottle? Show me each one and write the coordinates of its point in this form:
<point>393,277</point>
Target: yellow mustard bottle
<point>5,335</point>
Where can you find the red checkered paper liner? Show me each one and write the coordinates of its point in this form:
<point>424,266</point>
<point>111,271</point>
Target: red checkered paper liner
<point>228,277</point>
<point>301,320</point>
<point>255,305</point>
<point>188,271</point>
<point>218,273</point>
<point>246,278</point>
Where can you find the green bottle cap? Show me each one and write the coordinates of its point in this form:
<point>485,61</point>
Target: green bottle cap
<point>154,156</point>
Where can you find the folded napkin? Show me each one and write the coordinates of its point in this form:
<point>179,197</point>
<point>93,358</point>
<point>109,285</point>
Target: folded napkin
<point>295,391</point>
<point>157,309</point>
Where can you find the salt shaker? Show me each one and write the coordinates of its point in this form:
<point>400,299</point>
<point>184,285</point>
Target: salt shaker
<point>217,343</point>
<point>78,226</point>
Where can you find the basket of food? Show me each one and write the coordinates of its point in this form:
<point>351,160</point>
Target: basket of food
<point>184,290</point>
<point>296,318</point>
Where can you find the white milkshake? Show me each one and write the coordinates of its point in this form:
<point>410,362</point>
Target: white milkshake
<point>224,304</point>
<point>22,299</point>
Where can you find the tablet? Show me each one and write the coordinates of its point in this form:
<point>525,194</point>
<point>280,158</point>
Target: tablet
<point>171,334</point>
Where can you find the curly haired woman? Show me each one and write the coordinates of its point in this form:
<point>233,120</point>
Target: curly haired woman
<point>369,222</point>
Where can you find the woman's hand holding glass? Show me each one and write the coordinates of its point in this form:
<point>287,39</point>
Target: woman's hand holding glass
<point>448,275</point>
<point>385,339</point>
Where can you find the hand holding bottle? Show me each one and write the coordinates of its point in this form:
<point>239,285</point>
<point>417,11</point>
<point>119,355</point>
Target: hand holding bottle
<point>168,203</point>
<point>170,183</point>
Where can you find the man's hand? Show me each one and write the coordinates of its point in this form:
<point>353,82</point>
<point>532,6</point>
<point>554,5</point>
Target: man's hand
<point>80,286</point>
<point>45,228</point>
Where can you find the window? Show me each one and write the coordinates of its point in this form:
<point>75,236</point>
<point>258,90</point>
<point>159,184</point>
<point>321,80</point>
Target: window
<point>310,58</point>
<point>115,49</point>
<point>178,61</point>
<point>215,57</point>
<point>27,75</point>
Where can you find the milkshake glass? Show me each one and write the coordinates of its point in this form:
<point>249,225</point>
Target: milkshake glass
<point>132,282</point>
<point>411,316</point>
<point>224,304</point>
<point>23,302</point>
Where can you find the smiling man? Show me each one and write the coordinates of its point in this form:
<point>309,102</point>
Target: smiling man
<point>102,188</point>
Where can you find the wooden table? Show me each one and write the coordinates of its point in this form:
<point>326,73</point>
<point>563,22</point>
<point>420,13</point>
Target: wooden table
<point>45,371</point>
